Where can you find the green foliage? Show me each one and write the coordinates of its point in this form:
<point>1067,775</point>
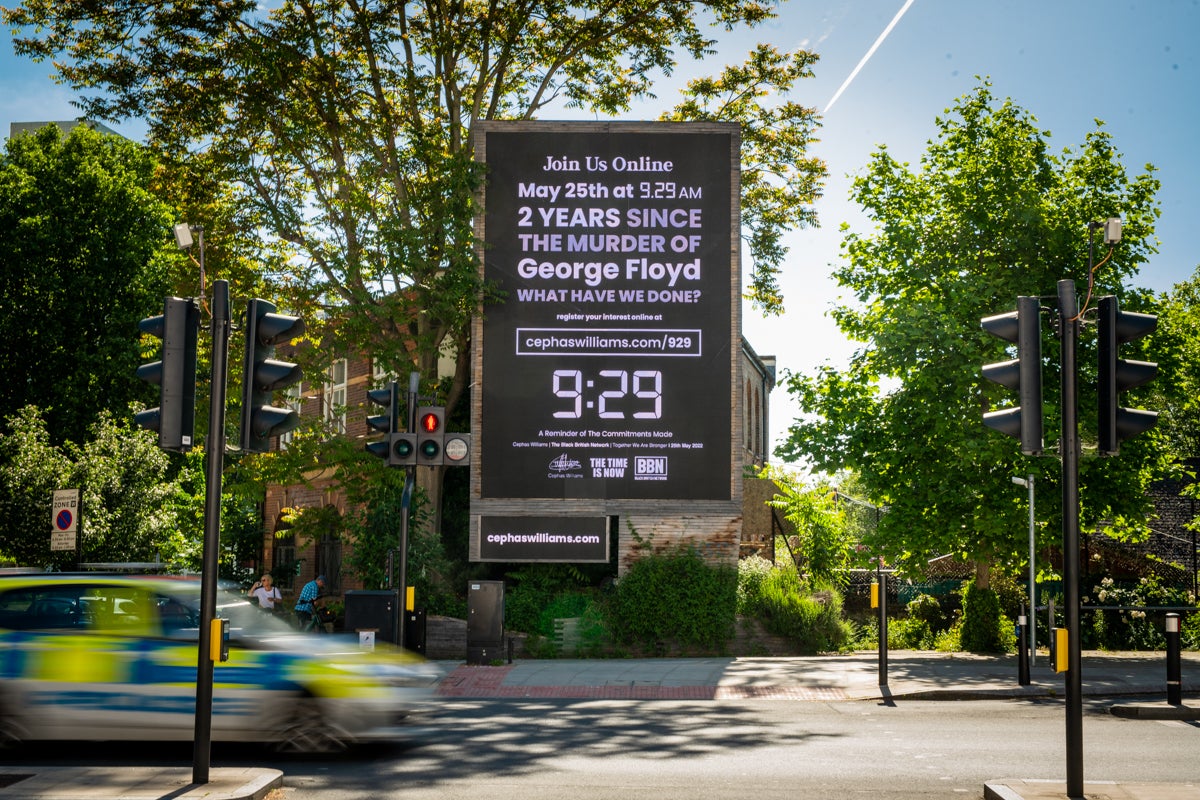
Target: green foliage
<point>536,594</point>
<point>1133,628</point>
<point>675,597</point>
<point>991,213</point>
<point>823,545</point>
<point>31,468</point>
<point>1189,630</point>
<point>788,607</point>
<point>131,510</point>
<point>372,523</point>
<point>982,620</point>
<point>752,572</point>
<point>84,249</point>
<point>925,607</point>
<point>352,142</point>
<point>911,633</point>
<point>1176,390</point>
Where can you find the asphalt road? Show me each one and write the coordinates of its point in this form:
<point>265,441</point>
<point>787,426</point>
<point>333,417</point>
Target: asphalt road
<point>754,749</point>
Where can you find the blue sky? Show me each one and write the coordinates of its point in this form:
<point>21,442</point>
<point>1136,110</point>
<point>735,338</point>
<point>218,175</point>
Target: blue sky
<point>1132,64</point>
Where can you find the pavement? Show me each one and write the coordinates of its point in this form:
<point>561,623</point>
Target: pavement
<point>1136,683</point>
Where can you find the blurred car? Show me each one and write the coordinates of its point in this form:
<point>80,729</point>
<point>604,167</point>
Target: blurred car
<point>114,657</point>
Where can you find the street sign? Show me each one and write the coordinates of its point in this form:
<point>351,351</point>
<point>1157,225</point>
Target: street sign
<point>64,519</point>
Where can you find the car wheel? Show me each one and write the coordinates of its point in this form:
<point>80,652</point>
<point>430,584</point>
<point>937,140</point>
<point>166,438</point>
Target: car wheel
<point>12,732</point>
<point>308,731</point>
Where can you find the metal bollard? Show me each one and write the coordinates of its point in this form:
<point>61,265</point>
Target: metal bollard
<point>1022,651</point>
<point>1174,672</point>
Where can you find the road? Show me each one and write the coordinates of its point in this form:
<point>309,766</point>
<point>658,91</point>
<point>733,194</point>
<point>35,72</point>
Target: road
<point>757,749</point>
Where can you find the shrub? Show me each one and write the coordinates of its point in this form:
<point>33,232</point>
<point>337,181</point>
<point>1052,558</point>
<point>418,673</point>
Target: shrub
<point>813,621</point>
<point>1132,629</point>
<point>981,620</point>
<point>927,609</point>
<point>752,572</point>
<point>533,589</point>
<point>675,597</point>
<point>910,633</point>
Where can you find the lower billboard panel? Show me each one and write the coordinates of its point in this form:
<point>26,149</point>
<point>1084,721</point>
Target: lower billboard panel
<point>565,539</point>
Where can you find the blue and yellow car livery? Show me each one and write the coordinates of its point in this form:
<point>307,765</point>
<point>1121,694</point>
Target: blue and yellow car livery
<point>115,658</point>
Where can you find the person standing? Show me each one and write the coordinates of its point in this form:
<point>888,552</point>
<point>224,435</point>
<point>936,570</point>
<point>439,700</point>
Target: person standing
<point>266,593</point>
<point>304,603</point>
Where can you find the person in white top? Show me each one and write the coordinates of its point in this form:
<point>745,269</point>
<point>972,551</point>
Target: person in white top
<point>265,592</point>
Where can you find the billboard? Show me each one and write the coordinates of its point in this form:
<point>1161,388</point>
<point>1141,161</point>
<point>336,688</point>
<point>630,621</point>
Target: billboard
<point>608,361</point>
<point>544,538</point>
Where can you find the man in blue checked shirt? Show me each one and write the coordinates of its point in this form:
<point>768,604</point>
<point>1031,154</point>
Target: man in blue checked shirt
<point>304,603</point>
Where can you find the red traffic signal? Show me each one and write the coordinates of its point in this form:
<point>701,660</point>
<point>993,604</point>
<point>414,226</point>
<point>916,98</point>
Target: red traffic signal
<point>431,420</point>
<point>430,426</point>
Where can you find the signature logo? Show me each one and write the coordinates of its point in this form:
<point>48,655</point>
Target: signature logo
<point>564,463</point>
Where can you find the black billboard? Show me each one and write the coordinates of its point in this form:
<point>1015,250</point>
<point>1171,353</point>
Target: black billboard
<point>608,361</point>
<point>567,539</point>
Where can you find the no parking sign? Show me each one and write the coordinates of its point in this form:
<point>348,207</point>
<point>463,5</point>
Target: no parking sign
<point>64,519</point>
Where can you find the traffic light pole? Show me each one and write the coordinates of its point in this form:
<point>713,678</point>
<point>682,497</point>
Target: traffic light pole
<point>410,426</point>
<point>212,531</point>
<point>1068,317</point>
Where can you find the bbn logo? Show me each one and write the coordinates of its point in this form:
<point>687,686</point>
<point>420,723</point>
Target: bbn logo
<point>650,468</point>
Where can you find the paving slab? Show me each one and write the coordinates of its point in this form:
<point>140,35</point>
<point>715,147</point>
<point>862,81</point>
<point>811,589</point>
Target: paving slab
<point>135,783</point>
<point>1092,790</point>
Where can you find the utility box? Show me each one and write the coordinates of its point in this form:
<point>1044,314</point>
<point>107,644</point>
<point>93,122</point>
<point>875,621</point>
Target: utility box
<point>377,610</point>
<point>414,630</point>
<point>485,621</point>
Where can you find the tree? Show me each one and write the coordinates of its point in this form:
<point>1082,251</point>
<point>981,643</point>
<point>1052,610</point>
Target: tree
<point>822,545</point>
<point>991,214</point>
<point>348,127</point>
<point>1177,388</point>
<point>83,257</point>
<point>31,468</point>
<point>130,510</point>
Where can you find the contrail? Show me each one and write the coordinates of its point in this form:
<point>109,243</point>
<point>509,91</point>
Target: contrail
<point>863,61</point>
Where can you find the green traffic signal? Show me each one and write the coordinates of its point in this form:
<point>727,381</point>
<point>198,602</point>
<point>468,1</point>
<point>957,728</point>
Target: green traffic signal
<point>404,448</point>
<point>430,449</point>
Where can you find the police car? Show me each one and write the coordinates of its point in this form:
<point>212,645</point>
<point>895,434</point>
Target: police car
<point>114,657</point>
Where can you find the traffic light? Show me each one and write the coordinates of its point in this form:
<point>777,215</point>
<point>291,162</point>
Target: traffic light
<point>430,429</point>
<point>385,423</point>
<point>175,374</point>
<point>1114,375</point>
<point>456,449</point>
<point>262,375</point>
<point>404,450</point>
<point>1024,373</point>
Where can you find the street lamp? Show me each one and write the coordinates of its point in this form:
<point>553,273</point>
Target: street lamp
<point>183,239</point>
<point>1028,482</point>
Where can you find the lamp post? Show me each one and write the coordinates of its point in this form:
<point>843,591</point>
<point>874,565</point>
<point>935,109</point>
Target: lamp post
<point>1028,482</point>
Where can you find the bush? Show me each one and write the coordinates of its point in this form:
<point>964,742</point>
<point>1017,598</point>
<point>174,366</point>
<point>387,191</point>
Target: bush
<point>1134,629</point>
<point>752,572</point>
<point>532,591</point>
<point>981,620</point>
<point>787,608</point>
<point>675,597</point>
<point>910,633</point>
<point>927,609</point>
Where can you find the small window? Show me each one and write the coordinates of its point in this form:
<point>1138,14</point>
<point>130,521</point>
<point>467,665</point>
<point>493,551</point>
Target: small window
<point>335,396</point>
